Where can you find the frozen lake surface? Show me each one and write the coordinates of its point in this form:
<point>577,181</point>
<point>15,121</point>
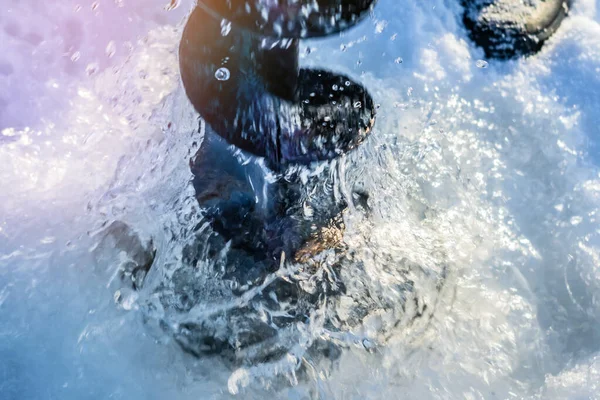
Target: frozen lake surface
<point>487,171</point>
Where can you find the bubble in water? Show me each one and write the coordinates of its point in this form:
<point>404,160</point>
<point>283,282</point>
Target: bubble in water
<point>75,56</point>
<point>222,74</point>
<point>398,60</point>
<point>357,104</point>
<point>481,64</point>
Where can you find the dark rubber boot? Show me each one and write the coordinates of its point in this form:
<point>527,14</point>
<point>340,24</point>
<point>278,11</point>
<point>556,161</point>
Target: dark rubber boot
<point>511,28</point>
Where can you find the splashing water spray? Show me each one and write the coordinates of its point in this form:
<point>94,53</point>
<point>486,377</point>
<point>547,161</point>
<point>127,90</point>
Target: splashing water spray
<point>239,64</point>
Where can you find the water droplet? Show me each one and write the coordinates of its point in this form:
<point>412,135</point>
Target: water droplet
<point>576,220</point>
<point>380,26</point>
<point>481,64</point>
<point>233,284</point>
<point>48,240</point>
<point>347,83</point>
<point>75,56</point>
<point>126,299</point>
<point>225,27</point>
<point>95,5</point>
<point>335,87</point>
<point>173,4</point>
<point>92,69</point>
<point>368,345</point>
<point>357,104</point>
<point>398,60</point>
<point>111,49</point>
<point>222,74</point>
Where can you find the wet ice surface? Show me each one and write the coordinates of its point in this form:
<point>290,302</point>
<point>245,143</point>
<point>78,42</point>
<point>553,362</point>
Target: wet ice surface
<point>490,172</point>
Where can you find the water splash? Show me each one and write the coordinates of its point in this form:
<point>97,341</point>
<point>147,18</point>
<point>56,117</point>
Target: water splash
<point>484,201</point>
